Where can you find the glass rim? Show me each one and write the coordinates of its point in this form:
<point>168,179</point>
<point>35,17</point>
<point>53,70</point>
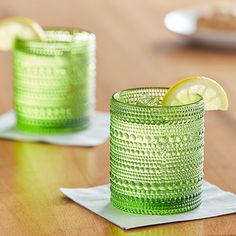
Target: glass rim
<point>31,43</point>
<point>153,106</point>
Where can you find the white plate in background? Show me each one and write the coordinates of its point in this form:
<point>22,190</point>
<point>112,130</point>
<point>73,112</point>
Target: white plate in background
<point>184,22</point>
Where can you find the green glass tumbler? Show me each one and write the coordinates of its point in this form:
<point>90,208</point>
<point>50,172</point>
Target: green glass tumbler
<point>54,81</point>
<point>156,153</point>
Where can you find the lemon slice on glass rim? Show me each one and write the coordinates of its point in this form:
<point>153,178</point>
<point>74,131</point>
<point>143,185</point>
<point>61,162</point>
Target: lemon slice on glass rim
<point>185,92</point>
<point>18,27</point>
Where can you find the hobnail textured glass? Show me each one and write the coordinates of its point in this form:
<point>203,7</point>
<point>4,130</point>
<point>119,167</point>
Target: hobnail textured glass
<point>54,81</point>
<point>156,153</point>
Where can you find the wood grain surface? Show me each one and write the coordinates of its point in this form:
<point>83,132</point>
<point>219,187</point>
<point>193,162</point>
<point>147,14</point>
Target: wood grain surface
<point>133,49</point>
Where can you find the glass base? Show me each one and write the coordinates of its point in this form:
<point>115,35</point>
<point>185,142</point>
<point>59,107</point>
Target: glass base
<point>156,206</point>
<point>51,128</point>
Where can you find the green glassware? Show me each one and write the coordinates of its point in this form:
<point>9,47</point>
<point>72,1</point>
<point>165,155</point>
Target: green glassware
<point>54,81</point>
<point>156,153</point>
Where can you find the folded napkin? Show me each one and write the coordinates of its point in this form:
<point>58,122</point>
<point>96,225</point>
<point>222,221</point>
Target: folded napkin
<point>215,202</point>
<point>96,134</point>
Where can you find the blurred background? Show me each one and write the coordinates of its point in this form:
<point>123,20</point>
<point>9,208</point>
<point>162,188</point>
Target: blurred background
<point>133,46</point>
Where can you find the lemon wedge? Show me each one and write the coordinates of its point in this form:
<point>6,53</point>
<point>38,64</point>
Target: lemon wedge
<point>186,91</point>
<point>18,27</point>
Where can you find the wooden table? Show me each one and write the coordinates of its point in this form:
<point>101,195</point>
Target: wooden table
<point>133,49</point>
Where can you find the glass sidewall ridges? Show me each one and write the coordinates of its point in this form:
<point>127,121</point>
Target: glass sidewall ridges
<point>54,82</point>
<point>156,154</point>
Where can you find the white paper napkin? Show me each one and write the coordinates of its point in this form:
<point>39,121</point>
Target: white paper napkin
<point>215,202</point>
<point>96,134</point>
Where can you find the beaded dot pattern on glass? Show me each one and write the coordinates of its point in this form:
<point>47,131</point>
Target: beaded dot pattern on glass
<point>156,153</point>
<point>54,82</point>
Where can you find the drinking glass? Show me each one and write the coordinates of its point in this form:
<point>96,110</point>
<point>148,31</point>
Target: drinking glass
<point>54,81</point>
<point>156,153</point>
